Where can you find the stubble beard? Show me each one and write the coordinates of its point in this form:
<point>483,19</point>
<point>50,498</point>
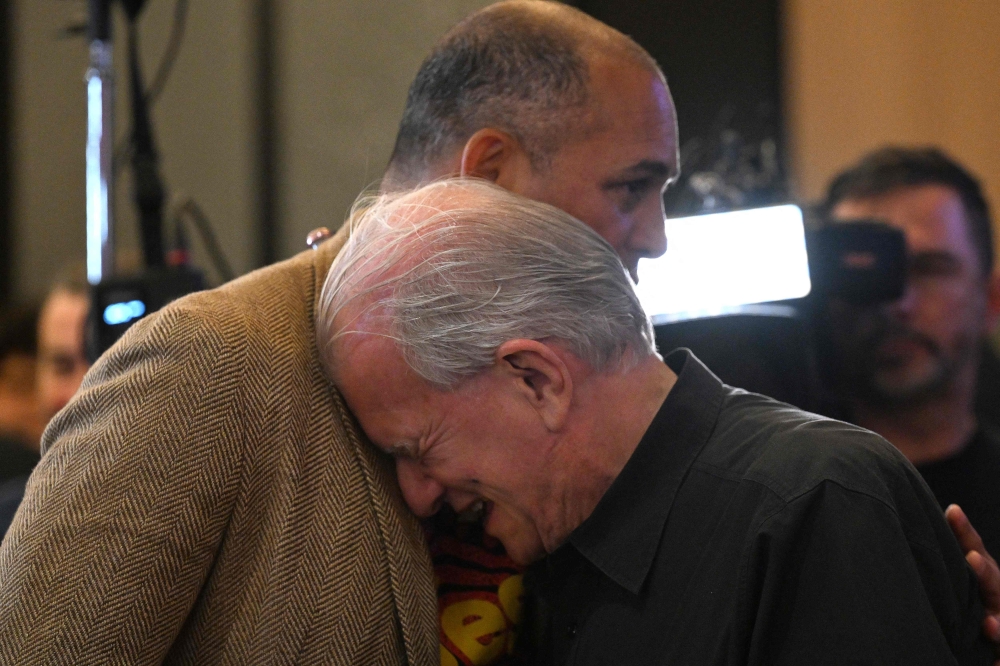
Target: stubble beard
<point>900,384</point>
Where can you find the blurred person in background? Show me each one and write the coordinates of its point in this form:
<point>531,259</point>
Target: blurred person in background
<point>21,422</point>
<point>57,334</point>
<point>62,361</point>
<point>908,369</point>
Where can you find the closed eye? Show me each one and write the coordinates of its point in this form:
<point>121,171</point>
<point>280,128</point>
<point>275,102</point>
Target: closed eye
<point>934,264</point>
<point>404,450</point>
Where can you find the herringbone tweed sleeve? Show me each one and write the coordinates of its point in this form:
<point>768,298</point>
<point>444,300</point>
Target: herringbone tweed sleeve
<point>206,499</point>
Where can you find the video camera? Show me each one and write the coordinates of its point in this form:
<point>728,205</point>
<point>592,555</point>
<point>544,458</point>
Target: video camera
<point>745,290</point>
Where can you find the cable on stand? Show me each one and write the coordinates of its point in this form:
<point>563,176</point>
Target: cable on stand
<point>117,302</point>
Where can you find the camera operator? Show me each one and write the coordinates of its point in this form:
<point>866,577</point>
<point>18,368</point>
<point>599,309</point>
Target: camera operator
<point>907,369</point>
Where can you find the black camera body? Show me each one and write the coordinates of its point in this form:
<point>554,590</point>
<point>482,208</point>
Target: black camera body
<point>119,302</point>
<point>861,262</point>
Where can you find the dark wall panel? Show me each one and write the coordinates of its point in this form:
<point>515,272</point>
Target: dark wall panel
<point>722,61</point>
<point>6,142</point>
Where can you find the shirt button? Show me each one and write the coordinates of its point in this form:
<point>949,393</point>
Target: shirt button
<point>571,630</point>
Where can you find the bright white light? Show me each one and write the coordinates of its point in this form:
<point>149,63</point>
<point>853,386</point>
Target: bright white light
<point>717,263</point>
<point>97,188</point>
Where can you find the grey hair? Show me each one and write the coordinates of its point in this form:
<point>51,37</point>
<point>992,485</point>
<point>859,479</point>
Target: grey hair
<point>461,266</point>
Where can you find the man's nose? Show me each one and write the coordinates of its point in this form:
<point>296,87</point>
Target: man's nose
<point>422,493</point>
<point>649,235</point>
<point>902,308</point>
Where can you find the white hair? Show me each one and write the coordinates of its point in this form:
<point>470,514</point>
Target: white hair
<point>458,267</point>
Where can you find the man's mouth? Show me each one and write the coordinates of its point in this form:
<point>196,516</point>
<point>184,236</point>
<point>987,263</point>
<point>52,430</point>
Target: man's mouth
<point>899,348</point>
<point>479,511</point>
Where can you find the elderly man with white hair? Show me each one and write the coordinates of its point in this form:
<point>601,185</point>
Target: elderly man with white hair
<point>495,347</point>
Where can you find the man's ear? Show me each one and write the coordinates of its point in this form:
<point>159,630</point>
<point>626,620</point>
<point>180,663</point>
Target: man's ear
<point>496,156</point>
<point>540,376</point>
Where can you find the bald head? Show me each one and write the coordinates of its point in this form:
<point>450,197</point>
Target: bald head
<point>522,67</point>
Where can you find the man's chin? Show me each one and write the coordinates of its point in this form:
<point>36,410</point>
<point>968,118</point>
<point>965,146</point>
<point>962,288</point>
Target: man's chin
<point>908,385</point>
<point>516,530</point>
<point>902,351</point>
<point>522,549</point>
<point>522,556</point>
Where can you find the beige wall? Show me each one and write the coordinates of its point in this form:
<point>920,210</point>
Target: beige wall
<point>865,72</point>
<point>48,197</point>
<point>342,79</point>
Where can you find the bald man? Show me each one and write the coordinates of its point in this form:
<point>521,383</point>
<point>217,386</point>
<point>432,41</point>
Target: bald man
<point>553,105</point>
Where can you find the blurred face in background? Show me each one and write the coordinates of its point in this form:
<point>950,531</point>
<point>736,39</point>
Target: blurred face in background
<point>19,413</point>
<point>61,359</point>
<point>927,342</point>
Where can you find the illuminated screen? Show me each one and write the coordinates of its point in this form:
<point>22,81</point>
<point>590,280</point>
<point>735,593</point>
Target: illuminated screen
<point>718,263</point>
<point>122,313</point>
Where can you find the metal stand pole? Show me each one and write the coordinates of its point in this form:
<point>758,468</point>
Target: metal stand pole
<point>100,146</point>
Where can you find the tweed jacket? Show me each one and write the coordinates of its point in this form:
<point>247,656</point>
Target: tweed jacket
<point>206,498</point>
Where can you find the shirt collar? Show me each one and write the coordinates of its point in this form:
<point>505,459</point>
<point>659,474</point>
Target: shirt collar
<point>623,533</point>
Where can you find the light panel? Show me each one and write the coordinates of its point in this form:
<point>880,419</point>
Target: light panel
<point>721,262</point>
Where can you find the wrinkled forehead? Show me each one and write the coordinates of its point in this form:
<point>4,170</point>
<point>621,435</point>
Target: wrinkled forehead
<point>359,354</point>
<point>373,378</point>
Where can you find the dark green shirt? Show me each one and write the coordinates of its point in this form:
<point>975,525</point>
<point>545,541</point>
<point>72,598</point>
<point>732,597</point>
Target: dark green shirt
<point>745,531</point>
